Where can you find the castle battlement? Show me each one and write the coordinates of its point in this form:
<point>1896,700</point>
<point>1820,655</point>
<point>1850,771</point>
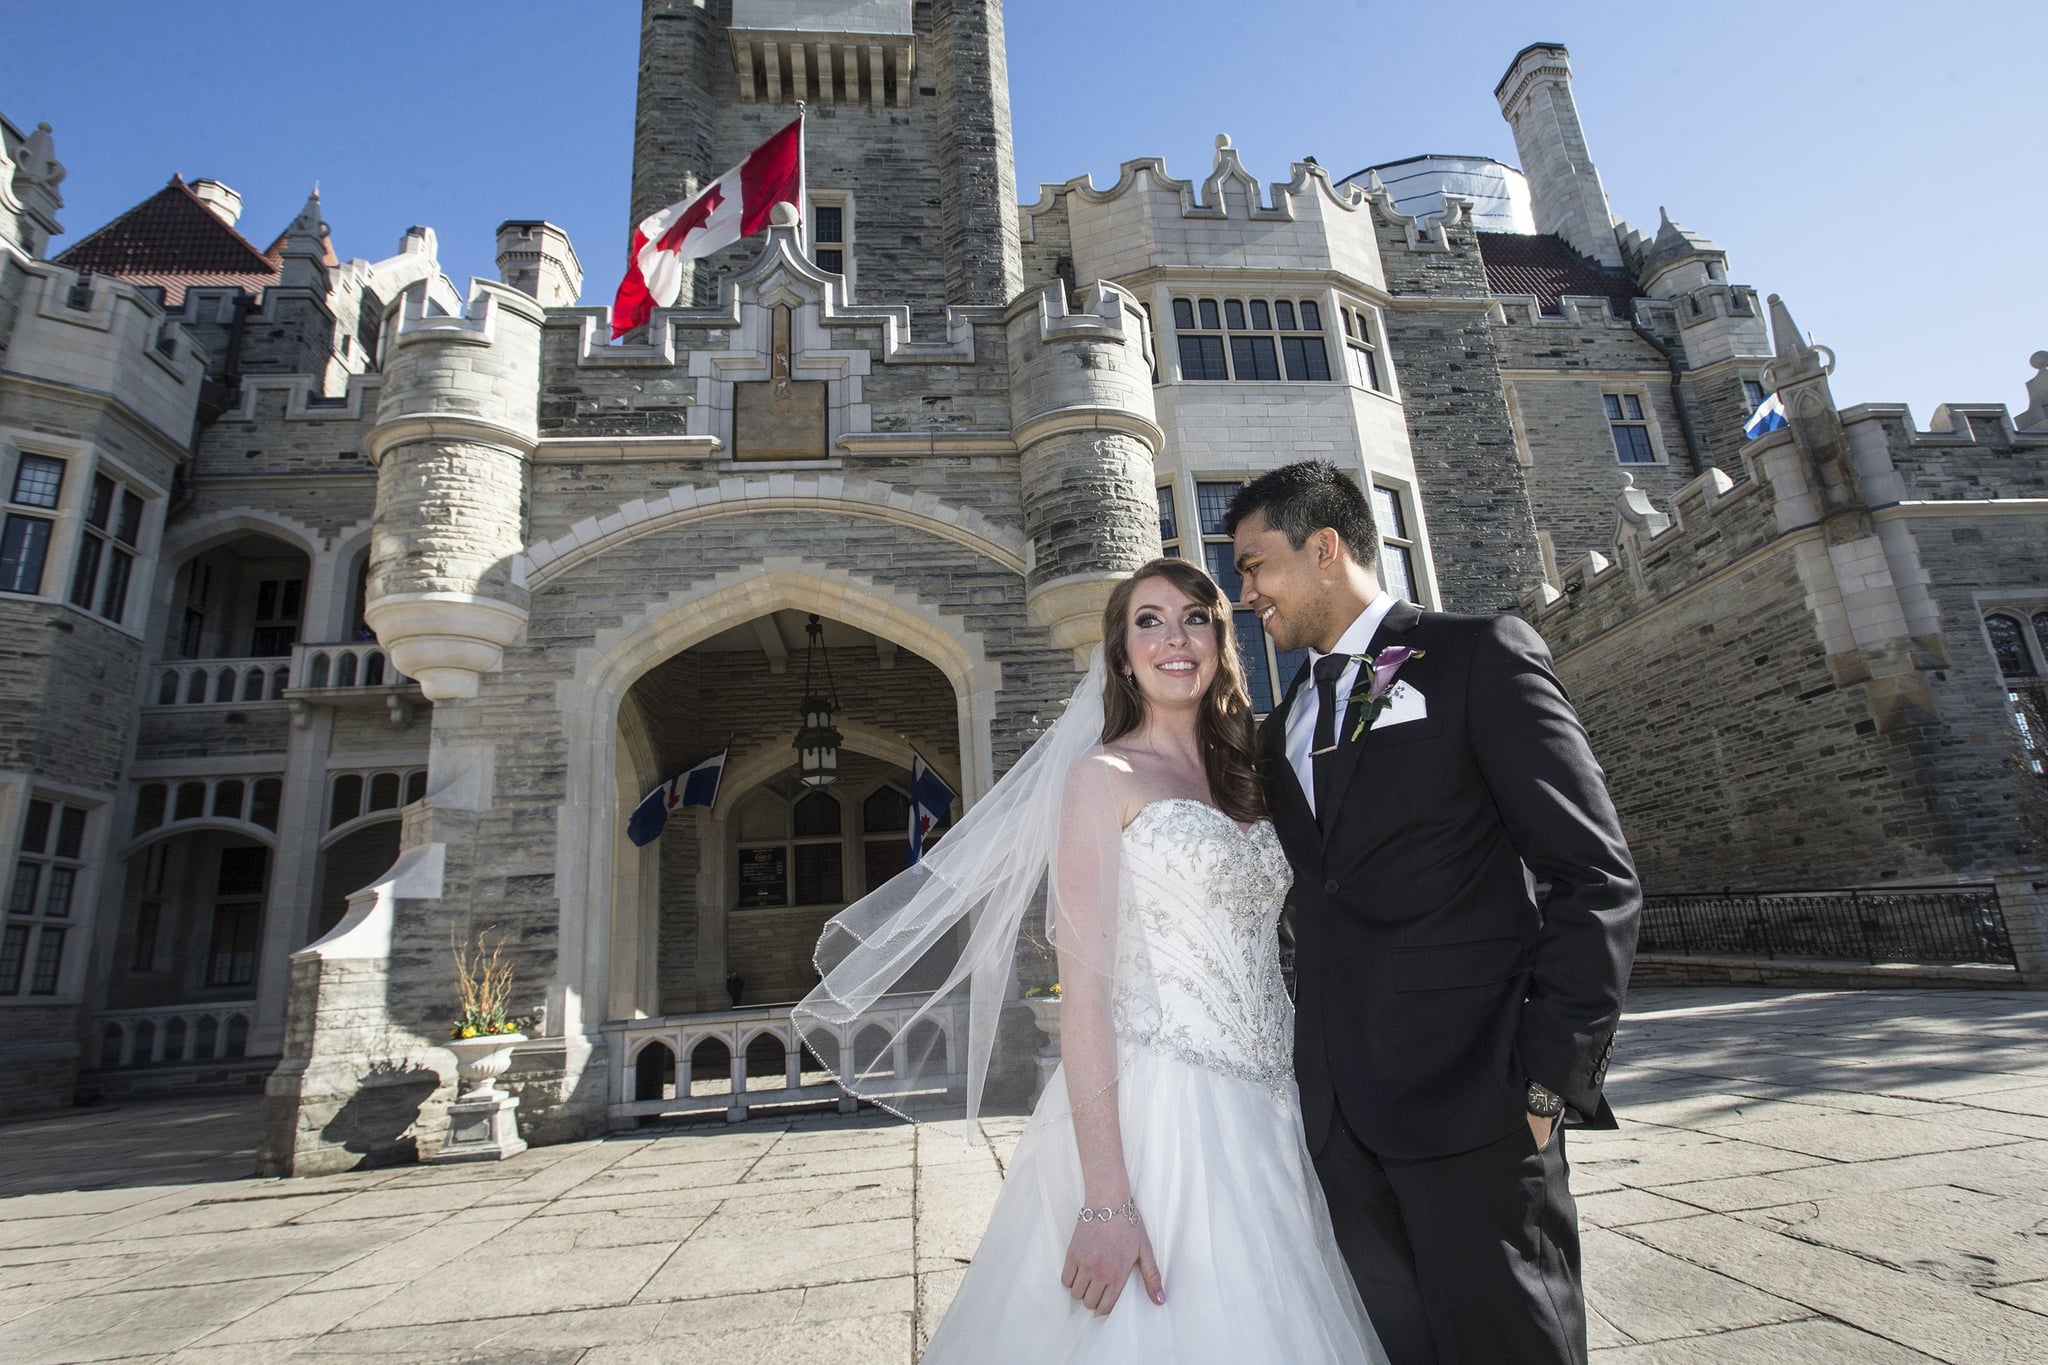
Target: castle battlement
<point>1713,522</point>
<point>1148,174</point>
<point>102,335</point>
<point>1575,311</point>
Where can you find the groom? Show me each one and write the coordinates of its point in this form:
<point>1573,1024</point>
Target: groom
<point>1450,1013</point>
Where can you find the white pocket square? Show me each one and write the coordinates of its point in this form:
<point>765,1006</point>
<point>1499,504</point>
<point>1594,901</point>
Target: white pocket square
<point>1404,703</point>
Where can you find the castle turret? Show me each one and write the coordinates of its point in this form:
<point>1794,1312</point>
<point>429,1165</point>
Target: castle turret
<point>536,258</point>
<point>1565,193</point>
<point>457,420</point>
<point>1086,430</point>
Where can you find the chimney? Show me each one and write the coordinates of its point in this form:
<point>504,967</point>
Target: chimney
<point>225,203</point>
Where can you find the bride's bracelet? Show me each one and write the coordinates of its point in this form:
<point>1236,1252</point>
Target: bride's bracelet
<point>1106,1213</point>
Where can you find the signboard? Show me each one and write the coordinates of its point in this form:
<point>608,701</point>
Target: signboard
<point>764,876</point>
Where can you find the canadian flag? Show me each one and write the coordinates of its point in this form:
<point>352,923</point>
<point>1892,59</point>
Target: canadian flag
<point>735,205</point>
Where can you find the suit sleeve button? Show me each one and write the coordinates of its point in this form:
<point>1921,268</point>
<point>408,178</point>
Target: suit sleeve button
<point>1329,888</point>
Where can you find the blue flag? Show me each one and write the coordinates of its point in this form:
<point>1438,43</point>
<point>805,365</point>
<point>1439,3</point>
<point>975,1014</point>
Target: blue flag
<point>696,787</point>
<point>931,801</point>
<point>1768,417</point>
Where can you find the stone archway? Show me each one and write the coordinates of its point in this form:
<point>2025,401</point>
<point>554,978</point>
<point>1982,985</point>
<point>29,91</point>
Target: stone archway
<point>739,890</point>
<point>603,880</point>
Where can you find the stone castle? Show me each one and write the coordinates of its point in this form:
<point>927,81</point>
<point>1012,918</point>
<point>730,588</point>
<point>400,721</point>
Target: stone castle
<point>346,614</point>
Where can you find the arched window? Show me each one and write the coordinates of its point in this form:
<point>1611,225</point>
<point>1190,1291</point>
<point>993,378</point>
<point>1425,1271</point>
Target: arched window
<point>885,835</point>
<point>347,802</point>
<point>790,852</point>
<point>2009,643</point>
<point>817,855</point>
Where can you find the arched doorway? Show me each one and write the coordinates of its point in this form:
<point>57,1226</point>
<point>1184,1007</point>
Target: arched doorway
<point>739,891</point>
<point>191,919</point>
<point>242,598</point>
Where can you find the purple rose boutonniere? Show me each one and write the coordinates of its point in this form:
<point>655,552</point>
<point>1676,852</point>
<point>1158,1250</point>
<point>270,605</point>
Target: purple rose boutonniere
<point>1370,697</point>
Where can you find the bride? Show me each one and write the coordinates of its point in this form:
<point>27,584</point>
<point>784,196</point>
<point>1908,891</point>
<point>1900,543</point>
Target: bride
<point>1160,1205</point>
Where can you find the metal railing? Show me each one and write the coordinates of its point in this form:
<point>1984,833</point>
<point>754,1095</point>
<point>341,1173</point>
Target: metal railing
<point>1926,925</point>
<point>175,1033</point>
<point>726,1061</point>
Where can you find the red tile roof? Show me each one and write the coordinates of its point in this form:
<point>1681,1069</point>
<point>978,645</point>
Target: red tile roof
<point>1543,265</point>
<point>173,241</point>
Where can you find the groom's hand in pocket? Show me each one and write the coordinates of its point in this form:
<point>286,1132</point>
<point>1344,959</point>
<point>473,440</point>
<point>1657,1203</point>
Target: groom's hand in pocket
<point>1541,1129</point>
<point>1099,1260</point>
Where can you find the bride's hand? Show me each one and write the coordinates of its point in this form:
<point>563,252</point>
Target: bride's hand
<point>1099,1260</point>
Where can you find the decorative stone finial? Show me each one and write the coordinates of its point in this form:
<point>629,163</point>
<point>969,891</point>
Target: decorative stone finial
<point>2039,360</point>
<point>1222,142</point>
<point>783,215</point>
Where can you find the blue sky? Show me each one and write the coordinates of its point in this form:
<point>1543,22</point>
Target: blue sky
<point>1879,164</point>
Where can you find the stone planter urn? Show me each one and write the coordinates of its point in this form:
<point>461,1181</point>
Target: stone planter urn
<point>483,1123</point>
<point>480,1061</point>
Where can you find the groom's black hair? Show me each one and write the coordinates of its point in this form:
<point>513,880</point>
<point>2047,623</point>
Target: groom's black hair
<point>1300,499</point>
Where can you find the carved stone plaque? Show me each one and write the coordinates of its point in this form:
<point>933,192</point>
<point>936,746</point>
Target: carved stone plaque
<point>779,418</point>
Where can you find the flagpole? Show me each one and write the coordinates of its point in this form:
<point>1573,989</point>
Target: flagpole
<point>803,186</point>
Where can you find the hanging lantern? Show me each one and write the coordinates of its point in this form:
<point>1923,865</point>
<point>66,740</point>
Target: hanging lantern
<point>817,742</point>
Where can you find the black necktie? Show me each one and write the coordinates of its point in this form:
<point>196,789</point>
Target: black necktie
<point>1322,749</point>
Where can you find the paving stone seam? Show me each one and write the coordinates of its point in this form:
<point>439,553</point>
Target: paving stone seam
<point>1787,1296</point>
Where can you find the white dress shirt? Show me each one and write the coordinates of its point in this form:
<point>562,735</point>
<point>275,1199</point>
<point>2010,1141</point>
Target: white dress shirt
<point>1301,720</point>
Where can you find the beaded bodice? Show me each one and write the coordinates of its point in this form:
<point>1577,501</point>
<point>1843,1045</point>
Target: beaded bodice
<point>1198,956</point>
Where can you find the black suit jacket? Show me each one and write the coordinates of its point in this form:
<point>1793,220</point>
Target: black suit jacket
<point>1430,987</point>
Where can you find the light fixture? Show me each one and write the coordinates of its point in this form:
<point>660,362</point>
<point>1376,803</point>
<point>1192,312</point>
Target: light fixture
<point>817,743</point>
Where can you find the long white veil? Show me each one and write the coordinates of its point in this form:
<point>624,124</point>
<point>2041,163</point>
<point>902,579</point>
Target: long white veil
<point>919,976</point>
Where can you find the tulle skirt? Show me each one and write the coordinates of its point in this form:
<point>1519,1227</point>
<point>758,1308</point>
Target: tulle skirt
<point>1227,1192</point>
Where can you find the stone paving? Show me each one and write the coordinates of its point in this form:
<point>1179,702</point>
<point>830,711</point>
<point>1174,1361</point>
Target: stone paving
<point>1817,1177</point>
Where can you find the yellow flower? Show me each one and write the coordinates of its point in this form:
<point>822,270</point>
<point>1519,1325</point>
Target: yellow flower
<point>468,1031</point>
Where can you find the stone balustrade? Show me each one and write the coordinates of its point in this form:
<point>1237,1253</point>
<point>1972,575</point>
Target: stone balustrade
<point>698,1063</point>
<point>175,1033</point>
<point>218,682</point>
<point>340,665</point>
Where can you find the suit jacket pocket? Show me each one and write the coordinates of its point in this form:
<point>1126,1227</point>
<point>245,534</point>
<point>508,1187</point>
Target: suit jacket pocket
<point>1407,732</point>
<point>1454,966</point>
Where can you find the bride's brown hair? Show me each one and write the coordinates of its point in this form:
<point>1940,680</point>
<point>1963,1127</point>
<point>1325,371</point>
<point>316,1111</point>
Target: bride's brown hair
<point>1224,725</point>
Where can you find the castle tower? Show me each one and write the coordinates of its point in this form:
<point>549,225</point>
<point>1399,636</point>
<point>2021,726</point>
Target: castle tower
<point>1564,186</point>
<point>537,258</point>
<point>456,422</point>
<point>1081,404</point>
<point>907,135</point>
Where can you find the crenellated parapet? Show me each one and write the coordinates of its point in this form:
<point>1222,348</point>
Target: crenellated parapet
<point>1231,220</point>
<point>1086,430</point>
<point>100,335</point>
<point>1968,452</point>
<point>457,421</point>
<point>1713,523</point>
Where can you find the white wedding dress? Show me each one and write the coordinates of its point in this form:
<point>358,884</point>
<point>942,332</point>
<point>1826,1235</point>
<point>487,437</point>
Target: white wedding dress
<point>1211,1132</point>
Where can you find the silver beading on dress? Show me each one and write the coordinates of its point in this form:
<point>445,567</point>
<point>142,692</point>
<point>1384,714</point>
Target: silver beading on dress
<point>1198,971</point>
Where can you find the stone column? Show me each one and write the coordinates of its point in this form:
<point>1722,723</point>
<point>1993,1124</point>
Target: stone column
<point>294,871</point>
<point>1086,430</point>
<point>2026,921</point>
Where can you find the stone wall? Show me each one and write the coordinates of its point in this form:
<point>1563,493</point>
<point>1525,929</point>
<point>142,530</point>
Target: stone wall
<point>1741,754</point>
<point>1558,369</point>
<point>38,1057</point>
<point>70,680</point>
<point>1445,353</point>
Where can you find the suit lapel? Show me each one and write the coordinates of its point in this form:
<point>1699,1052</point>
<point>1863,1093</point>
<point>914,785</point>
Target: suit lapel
<point>1400,619</point>
<point>1283,786</point>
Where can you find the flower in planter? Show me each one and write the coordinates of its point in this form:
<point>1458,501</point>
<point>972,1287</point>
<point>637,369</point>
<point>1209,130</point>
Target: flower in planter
<point>483,987</point>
